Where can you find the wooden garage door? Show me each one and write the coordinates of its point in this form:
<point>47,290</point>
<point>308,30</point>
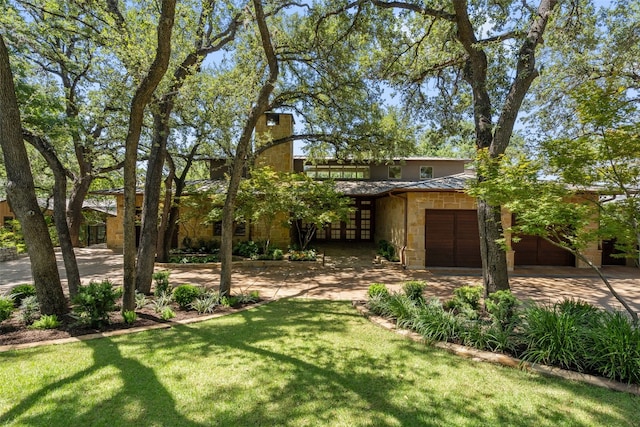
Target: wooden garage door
<point>451,238</point>
<point>533,250</point>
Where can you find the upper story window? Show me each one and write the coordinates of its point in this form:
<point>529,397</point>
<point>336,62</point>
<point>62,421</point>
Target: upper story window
<point>426,172</point>
<point>345,172</point>
<point>395,172</point>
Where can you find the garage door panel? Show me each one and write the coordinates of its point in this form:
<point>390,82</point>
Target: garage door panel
<point>451,238</point>
<point>534,250</point>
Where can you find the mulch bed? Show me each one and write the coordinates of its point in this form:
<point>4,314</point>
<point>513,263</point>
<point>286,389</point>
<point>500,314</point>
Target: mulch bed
<point>13,331</point>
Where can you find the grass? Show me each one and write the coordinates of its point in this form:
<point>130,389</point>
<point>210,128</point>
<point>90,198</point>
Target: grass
<point>289,363</point>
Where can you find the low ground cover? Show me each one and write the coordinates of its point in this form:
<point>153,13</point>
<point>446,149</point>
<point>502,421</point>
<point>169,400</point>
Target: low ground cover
<point>570,334</point>
<point>287,363</point>
<point>97,308</point>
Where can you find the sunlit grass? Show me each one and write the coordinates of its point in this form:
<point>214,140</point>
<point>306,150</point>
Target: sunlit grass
<point>289,363</point>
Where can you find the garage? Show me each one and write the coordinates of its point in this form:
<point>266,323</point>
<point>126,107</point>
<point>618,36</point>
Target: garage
<point>534,250</point>
<point>452,239</point>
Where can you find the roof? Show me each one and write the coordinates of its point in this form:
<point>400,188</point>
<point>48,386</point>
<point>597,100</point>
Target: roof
<point>456,182</point>
<point>395,159</point>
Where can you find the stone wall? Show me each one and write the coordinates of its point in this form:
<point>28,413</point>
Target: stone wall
<point>389,222</point>
<point>8,254</point>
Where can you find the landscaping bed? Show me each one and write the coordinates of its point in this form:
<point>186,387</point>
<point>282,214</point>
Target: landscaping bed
<point>97,309</point>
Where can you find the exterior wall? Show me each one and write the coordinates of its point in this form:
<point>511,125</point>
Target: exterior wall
<point>5,211</point>
<point>593,251</point>
<point>280,234</point>
<point>411,168</point>
<point>115,227</point>
<point>390,226</point>
<point>280,159</point>
<point>418,202</point>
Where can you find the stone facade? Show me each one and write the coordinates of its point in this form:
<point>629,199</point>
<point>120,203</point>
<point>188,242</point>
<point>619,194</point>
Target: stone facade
<point>401,221</point>
<point>271,127</point>
<point>115,225</point>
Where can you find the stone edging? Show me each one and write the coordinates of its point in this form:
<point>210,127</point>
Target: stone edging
<point>501,359</point>
<point>87,337</point>
<point>8,254</point>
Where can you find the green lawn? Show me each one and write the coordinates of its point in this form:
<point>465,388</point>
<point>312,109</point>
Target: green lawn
<point>289,363</point>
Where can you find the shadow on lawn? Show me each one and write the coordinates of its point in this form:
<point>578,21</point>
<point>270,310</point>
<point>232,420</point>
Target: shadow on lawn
<point>308,374</point>
<point>140,385</point>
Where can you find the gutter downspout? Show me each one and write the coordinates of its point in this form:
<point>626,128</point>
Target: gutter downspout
<point>403,258</point>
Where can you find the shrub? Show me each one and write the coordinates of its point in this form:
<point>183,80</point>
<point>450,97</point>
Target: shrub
<point>6,308</point>
<point>95,301</point>
<point>614,350</point>
<point>246,249</point>
<point>469,295</point>
<point>434,323</point>
<point>29,309</point>
<point>161,279</point>
<point>278,255</point>
<point>193,259</point>
<point>161,302</point>
<point>21,292</point>
<point>555,337</point>
<point>378,290</point>
<point>185,294</point>
<point>248,297</point>
<point>226,301</point>
<point>387,250</point>
<point>46,322</point>
<point>129,317</point>
<point>303,255</point>
<point>402,308</point>
<point>206,303</point>
<point>141,300</point>
<point>414,289</point>
<point>167,313</point>
<point>502,306</point>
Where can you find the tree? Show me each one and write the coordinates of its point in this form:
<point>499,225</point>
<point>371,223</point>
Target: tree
<point>261,199</point>
<point>260,105</point>
<point>561,214</point>
<point>489,46</point>
<point>604,154</point>
<point>208,38</point>
<point>313,205</point>
<point>72,93</point>
<point>140,100</point>
<point>21,193</point>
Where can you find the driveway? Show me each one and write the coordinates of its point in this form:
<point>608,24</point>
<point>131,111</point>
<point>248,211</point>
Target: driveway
<point>346,276</point>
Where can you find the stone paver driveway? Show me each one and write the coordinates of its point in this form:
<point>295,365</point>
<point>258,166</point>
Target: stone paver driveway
<point>347,276</point>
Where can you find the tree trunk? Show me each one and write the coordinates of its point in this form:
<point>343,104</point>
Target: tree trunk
<point>151,204</point>
<point>494,261</point>
<point>138,104</point>
<point>164,240</point>
<point>259,107</point>
<point>79,191</point>
<point>495,276</point>
<point>21,194</point>
<point>59,210</point>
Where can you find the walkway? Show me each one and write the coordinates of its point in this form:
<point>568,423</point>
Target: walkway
<point>344,276</point>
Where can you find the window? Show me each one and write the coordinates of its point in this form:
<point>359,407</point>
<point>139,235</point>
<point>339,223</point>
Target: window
<point>337,171</point>
<point>240,228</point>
<point>426,172</point>
<point>395,172</point>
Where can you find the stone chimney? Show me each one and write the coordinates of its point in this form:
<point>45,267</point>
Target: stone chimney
<point>271,127</point>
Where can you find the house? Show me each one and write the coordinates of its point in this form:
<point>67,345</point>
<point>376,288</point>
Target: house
<point>418,204</point>
<point>95,212</point>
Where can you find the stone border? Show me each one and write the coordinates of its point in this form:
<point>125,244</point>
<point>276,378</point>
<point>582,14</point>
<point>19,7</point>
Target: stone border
<point>118,332</point>
<point>8,253</point>
<point>498,358</point>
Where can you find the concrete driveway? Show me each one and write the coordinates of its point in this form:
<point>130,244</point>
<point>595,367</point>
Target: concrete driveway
<point>347,277</point>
